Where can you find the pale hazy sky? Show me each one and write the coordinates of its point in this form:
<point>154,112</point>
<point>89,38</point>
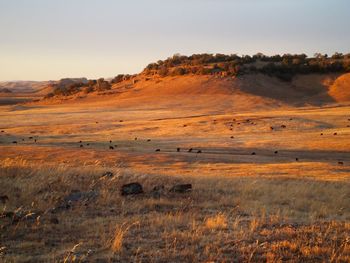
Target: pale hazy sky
<point>52,39</point>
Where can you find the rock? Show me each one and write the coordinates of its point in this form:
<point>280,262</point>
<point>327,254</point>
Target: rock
<point>181,188</point>
<point>108,174</point>
<point>54,220</point>
<point>157,150</point>
<point>131,189</point>
<point>4,199</point>
<point>76,196</point>
<point>157,191</point>
<point>111,147</point>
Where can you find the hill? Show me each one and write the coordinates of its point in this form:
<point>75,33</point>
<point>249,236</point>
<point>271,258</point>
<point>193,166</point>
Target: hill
<point>219,80</point>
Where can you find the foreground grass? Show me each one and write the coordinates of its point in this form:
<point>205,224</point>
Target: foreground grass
<point>223,220</point>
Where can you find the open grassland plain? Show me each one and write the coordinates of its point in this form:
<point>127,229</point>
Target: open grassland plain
<point>269,184</point>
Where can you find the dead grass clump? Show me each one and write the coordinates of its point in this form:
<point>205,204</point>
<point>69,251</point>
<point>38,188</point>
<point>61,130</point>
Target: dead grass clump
<point>218,221</point>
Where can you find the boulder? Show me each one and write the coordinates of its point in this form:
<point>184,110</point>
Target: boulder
<point>131,189</point>
<point>181,188</point>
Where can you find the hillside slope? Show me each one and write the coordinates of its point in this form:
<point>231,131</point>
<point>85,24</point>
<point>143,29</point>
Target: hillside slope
<point>340,89</point>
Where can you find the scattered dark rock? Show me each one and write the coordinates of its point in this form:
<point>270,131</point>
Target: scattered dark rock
<point>111,147</point>
<point>253,153</point>
<point>54,220</point>
<point>190,150</point>
<point>108,174</point>
<point>22,140</point>
<point>110,141</point>
<point>80,142</point>
<point>283,126</point>
<point>181,188</point>
<point>76,196</point>
<point>185,125</point>
<point>135,138</point>
<point>148,140</point>
<point>88,144</point>
<point>335,133</point>
<point>30,138</point>
<point>81,146</point>
<point>157,150</point>
<point>199,151</point>
<point>4,199</point>
<point>178,149</point>
<point>297,159</point>
<point>341,163</point>
<point>157,191</point>
<point>131,189</point>
<point>271,128</point>
<point>232,137</point>
<point>276,152</point>
<point>321,134</point>
<point>2,131</point>
<point>15,142</point>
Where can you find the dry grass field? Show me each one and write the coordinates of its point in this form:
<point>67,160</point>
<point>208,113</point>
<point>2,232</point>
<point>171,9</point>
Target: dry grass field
<point>271,182</point>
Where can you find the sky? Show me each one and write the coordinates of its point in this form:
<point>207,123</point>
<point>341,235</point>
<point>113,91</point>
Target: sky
<point>53,39</point>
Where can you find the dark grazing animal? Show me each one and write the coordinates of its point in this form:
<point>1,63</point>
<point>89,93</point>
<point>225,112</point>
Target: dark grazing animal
<point>297,159</point>
<point>157,150</point>
<point>190,150</point>
<point>253,153</point>
<point>199,151</point>
<point>283,126</point>
<point>15,142</point>
<point>276,152</point>
<point>178,149</point>
<point>111,147</point>
<point>81,146</point>
<point>340,163</point>
<point>335,133</point>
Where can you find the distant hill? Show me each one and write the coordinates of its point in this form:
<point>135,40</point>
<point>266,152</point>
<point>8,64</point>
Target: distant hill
<point>214,81</point>
<point>24,86</point>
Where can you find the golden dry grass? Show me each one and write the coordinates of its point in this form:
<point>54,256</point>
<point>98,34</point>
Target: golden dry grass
<point>243,208</point>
